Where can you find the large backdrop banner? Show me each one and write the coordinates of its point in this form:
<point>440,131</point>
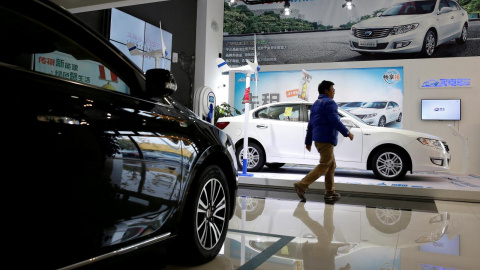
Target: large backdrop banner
<point>376,88</point>
<point>318,31</point>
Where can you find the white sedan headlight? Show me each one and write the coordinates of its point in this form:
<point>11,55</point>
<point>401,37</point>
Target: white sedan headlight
<point>401,29</point>
<point>371,115</point>
<point>431,142</point>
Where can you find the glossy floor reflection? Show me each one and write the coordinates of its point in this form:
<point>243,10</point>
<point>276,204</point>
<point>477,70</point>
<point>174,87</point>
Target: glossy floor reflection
<point>279,232</point>
<point>344,236</point>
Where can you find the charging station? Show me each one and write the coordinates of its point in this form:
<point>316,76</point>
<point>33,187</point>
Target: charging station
<point>204,103</point>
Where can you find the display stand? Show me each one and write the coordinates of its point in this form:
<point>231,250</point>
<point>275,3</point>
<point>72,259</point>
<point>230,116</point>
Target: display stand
<point>245,126</point>
<point>248,70</point>
<point>464,148</point>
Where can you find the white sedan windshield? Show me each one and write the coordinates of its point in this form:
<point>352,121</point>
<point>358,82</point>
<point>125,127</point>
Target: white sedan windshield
<point>410,8</point>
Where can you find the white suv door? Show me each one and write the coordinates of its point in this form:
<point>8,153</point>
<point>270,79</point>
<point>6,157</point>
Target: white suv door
<point>282,133</point>
<point>459,19</point>
<point>346,150</point>
<point>447,22</point>
<point>389,112</point>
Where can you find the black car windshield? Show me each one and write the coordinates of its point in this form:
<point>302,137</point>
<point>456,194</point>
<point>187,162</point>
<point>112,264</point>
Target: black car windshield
<point>375,105</point>
<point>410,8</point>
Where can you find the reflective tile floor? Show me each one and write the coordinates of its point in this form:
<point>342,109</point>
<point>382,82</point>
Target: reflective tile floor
<point>274,230</point>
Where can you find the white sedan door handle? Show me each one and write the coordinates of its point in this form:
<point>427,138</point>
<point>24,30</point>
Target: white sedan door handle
<point>262,126</point>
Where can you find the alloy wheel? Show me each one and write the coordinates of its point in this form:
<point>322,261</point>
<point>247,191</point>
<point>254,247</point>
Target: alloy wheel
<point>464,34</point>
<point>389,164</point>
<point>388,216</point>
<point>253,157</point>
<point>211,214</point>
<point>382,122</point>
<point>430,43</point>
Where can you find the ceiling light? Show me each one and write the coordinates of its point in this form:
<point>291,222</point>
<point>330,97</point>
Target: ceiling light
<point>287,8</point>
<point>348,5</point>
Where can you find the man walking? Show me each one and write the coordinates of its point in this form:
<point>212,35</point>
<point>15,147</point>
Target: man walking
<point>323,128</point>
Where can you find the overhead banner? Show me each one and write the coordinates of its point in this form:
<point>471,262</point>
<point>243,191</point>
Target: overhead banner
<point>373,89</point>
<point>318,31</point>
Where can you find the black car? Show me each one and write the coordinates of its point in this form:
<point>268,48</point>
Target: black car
<point>101,160</point>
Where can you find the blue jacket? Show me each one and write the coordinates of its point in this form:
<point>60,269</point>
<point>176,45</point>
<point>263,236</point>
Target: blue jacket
<point>324,123</point>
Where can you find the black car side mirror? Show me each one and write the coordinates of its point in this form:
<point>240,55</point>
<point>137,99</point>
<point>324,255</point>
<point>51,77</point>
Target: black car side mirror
<point>160,83</point>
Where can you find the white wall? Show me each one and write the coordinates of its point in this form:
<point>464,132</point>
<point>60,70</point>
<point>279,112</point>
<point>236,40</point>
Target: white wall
<point>209,44</point>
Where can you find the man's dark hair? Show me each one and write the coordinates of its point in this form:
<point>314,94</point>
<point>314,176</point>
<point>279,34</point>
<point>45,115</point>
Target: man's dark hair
<point>324,85</point>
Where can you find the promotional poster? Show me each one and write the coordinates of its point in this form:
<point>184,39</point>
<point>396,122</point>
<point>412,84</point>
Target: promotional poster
<point>317,31</point>
<point>373,89</point>
<point>85,71</point>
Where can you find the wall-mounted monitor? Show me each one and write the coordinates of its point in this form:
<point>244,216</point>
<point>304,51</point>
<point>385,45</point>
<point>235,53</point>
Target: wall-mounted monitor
<point>441,109</point>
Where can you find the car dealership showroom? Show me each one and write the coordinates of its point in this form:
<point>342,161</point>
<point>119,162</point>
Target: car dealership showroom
<point>171,134</point>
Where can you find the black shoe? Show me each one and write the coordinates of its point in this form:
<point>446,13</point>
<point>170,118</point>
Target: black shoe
<point>300,192</point>
<point>333,196</point>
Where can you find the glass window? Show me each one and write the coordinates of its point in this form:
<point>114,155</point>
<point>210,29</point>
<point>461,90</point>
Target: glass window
<point>443,3</point>
<point>34,46</point>
<point>452,4</point>
<point>375,105</point>
<point>285,112</point>
<point>263,113</point>
<point>127,148</point>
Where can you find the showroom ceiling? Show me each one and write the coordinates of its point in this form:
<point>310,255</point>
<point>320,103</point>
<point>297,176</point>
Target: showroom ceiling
<point>76,6</point>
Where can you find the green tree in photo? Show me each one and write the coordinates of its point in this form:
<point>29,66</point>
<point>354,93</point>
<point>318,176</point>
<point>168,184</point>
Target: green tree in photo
<point>471,6</point>
<point>234,22</point>
<point>241,20</point>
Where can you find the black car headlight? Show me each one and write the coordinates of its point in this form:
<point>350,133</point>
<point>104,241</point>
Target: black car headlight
<point>401,29</point>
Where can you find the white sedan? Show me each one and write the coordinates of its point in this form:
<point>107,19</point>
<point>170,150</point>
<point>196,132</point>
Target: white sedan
<point>378,112</point>
<point>277,132</point>
<point>411,27</point>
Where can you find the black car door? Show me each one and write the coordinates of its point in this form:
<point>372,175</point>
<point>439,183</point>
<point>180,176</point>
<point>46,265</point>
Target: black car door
<point>94,168</point>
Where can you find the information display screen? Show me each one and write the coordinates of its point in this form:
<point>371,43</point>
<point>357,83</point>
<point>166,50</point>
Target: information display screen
<point>441,109</point>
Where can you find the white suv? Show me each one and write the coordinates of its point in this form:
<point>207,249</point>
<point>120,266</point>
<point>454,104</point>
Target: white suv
<point>411,27</point>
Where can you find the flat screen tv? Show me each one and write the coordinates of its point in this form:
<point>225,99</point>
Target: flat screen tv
<point>441,109</point>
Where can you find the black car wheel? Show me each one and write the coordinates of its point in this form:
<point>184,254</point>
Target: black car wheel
<point>206,218</point>
<point>399,119</point>
<point>429,44</point>
<point>463,37</point>
<point>382,121</point>
<point>255,157</point>
<point>274,165</point>
<point>389,164</point>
